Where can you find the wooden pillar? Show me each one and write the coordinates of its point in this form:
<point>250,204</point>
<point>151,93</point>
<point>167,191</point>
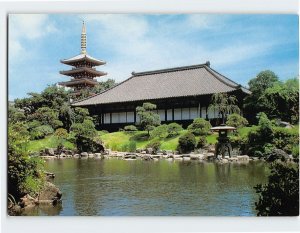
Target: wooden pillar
<point>166,115</point>
<point>134,117</point>
<point>172,114</point>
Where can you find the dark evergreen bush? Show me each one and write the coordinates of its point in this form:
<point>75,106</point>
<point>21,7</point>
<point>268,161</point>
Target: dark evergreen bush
<point>199,126</point>
<point>280,196</point>
<point>186,143</point>
<point>201,142</point>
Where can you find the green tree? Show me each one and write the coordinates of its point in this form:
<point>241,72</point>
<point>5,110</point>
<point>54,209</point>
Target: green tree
<point>224,104</point>
<point>199,126</point>
<point>40,132</point>
<point>160,131</point>
<point>174,129</point>
<point>84,134</point>
<point>104,85</point>
<point>282,100</point>
<point>148,119</point>
<point>52,97</point>
<point>66,115</point>
<point>236,120</point>
<point>253,103</point>
<point>81,114</point>
<point>61,135</point>
<point>47,116</point>
<point>15,115</point>
<point>24,173</point>
<point>280,196</point>
<point>84,129</point>
<point>260,140</point>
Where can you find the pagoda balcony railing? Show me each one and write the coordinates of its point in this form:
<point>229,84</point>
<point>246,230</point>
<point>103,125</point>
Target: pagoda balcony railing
<point>74,68</point>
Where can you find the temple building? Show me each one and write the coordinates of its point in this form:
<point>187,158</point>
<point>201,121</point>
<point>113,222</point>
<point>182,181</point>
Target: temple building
<point>83,72</point>
<point>181,94</point>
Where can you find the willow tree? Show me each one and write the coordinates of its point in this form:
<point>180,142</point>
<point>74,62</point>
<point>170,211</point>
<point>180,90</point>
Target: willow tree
<point>224,104</point>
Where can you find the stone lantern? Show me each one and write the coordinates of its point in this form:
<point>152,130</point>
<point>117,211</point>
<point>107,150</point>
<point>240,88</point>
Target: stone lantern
<point>223,146</point>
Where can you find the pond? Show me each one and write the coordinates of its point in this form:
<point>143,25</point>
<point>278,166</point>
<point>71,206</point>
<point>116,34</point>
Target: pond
<point>114,187</point>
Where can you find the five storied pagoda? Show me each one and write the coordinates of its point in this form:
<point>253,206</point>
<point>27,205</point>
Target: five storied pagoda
<point>83,72</point>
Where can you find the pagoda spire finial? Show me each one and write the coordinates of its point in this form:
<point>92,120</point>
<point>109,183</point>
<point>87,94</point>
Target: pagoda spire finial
<point>83,39</point>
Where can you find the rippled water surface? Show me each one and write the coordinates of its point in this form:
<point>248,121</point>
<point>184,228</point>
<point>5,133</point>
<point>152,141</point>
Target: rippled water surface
<point>115,187</point>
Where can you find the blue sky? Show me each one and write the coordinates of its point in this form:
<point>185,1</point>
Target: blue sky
<point>238,46</point>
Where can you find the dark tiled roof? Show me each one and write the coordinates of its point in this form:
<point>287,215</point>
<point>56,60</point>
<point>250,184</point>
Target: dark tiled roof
<point>82,58</point>
<point>83,70</point>
<point>167,83</point>
<point>74,82</point>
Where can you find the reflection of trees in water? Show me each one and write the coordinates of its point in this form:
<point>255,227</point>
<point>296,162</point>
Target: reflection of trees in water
<point>88,191</point>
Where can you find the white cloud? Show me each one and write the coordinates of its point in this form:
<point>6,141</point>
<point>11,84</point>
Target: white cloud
<point>198,21</point>
<point>139,45</point>
<point>27,27</point>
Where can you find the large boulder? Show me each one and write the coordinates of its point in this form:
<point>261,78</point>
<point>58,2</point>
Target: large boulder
<point>149,150</point>
<point>62,155</point>
<point>91,155</point>
<point>147,157</point>
<point>243,158</point>
<point>50,151</point>
<point>129,156</point>
<point>84,155</point>
<point>27,201</point>
<point>107,151</point>
<point>49,194</point>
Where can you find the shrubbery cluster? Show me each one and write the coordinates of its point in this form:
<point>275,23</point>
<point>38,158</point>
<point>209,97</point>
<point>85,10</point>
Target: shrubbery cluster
<point>186,143</point>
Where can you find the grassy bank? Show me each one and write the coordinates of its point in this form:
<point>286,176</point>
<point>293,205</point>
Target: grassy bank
<point>47,142</point>
<point>119,140</point>
<point>116,141</point>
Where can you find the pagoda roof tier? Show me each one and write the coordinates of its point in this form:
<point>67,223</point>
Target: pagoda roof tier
<point>82,58</point>
<point>83,71</point>
<point>75,82</point>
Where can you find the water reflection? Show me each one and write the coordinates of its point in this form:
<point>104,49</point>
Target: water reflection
<point>155,188</point>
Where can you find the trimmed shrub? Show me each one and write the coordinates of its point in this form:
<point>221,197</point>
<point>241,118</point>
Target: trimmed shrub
<point>155,145</point>
<point>199,126</point>
<point>236,120</point>
<point>174,129</point>
<point>159,132</point>
<point>130,128</point>
<point>186,143</point>
<point>85,144</point>
<point>33,124</point>
<point>201,142</point>
<point>285,139</point>
<point>41,131</point>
